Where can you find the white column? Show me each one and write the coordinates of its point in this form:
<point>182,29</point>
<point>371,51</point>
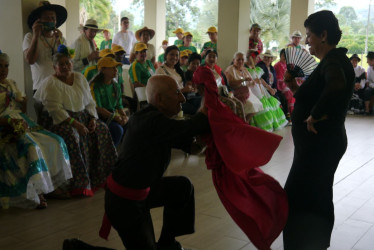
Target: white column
<point>233,29</point>
<point>71,32</point>
<point>300,10</point>
<point>155,18</point>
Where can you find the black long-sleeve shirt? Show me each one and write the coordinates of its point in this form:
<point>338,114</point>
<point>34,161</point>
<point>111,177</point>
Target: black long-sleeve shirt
<point>146,147</point>
<point>327,91</point>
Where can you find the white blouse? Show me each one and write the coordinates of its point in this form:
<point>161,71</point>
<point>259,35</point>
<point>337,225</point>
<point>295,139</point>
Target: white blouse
<point>59,97</point>
<point>165,70</point>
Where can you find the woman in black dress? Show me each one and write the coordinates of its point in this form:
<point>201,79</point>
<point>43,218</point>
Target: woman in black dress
<point>319,137</point>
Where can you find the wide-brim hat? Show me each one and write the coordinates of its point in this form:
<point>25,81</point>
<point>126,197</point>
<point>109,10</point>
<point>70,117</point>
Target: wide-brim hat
<point>138,33</point>
<point>107,62</point>
<point>92,24</point>
<point>61,13</point>
<point>179,30</point>
<point>355,56</point>
<point>212,30</point>
<point>296,33</point>
<point>267,54</point>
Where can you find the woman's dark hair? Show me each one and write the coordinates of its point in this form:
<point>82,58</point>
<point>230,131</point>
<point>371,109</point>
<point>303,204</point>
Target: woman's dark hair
<point>282,52</point>
<point>193,57</point>
<point>210,51</point>
<point>177,66</point>
<point>322,21</point>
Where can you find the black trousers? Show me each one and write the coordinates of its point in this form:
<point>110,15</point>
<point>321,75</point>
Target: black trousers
<point>132,219</point>
<point>309,186</point>
<point>282,99</point>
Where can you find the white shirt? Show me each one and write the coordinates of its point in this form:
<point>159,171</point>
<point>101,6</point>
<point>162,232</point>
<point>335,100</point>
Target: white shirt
<point>125,39</point>
<point>358,72</point>
<point>165,70</point>
<point>370,73</point>
<point>83,48</point>
<point>59,97</point>
<point>43,66</point>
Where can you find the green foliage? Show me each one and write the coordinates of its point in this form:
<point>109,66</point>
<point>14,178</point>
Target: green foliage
<point>319,4</point>
<point>208,17</point>
<point>274,19</point>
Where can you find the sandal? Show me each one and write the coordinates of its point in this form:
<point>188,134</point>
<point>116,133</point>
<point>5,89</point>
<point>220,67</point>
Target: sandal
<point>43,202</point>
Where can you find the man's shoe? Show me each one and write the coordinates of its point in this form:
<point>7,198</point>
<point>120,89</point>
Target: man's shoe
<point>75,244</point>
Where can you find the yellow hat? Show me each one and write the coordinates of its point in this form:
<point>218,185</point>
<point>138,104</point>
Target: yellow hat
<point>105,30</point>
<point>117,48</point>
<point>179,30</point>
<point>107,62</point>
<point>164,42</point>
<point>212,30</point>
<point>140,47</point>
<point>184,53</point>
<point>105,53</point>
<point>187,34</point>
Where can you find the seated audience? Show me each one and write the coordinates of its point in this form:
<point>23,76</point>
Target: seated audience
<point>144,35</point>
<point>67,98</point>
<point>107,94</point>
<point>241,82</point>
<point>107,42</point>
<point>296,38</point>
<point>280,68</point>
<point>33,161</point>
<point>369,91</point>
<point>187,43</point>
<point>160,58</point>
<point>183,60</point>
<point>272,117</point>
<point>141,69</point>
<point>356,105</point>
<point>270,78</point>
<point>180,34</point>
<point>171,67</point>
<point>90,71</point>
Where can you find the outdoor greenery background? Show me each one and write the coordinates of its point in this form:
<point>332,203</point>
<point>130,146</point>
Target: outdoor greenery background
<point>197,16</point>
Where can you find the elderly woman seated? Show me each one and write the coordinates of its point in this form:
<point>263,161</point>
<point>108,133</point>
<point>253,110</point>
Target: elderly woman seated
<point>241,82</point>
<point>33,161</point>
<point>67,98</point>
<point>107,93</point>
<point>171,67</point>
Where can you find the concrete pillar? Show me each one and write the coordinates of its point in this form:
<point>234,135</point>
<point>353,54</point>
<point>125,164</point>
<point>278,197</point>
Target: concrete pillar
<point>300,10</point>
<point>155,18</point>
<point>233,29</point>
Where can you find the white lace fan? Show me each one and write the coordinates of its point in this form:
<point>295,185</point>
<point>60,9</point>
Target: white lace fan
<point>299,62</point>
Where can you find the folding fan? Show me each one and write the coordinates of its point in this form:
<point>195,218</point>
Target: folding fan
<point>299,62</point>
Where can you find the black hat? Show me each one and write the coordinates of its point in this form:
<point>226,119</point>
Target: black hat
<point>354,56</point>
<point>61,13</point>
<point>370,55</point>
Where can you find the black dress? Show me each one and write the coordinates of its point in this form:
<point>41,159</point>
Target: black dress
<point>309,185</point>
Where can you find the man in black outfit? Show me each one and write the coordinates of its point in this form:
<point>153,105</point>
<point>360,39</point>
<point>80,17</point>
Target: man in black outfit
<point>137,183</point>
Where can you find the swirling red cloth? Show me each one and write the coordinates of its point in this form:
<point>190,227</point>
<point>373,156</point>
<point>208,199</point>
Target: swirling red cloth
<point>255,201</point>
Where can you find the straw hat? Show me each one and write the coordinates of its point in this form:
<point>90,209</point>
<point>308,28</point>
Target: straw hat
<point>139,32</point>
<point>92,24</point>
<point>107,62</point>
<point>267,54</point>
<point>61,13</point>
<point>296,33</point>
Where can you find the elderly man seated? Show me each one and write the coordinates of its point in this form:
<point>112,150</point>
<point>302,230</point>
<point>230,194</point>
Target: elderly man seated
<point>137,183</point>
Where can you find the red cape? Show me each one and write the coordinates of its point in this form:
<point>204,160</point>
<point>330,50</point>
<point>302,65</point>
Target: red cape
<point>235,150</point>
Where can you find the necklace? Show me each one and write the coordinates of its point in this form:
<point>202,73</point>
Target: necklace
<point>48,45</point>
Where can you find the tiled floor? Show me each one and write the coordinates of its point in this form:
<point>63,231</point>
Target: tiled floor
<point>353,197</point>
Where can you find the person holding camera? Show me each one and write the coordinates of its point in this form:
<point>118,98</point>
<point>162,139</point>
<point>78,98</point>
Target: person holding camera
<point>41,44</point>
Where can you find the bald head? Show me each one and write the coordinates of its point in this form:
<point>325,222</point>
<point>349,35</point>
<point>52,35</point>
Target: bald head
<point>163,93</point>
